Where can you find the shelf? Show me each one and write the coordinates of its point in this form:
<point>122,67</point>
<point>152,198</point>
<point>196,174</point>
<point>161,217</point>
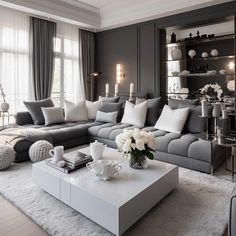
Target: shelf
<point>198,75</point>
<point>201,59</point>
<point>197,41</point>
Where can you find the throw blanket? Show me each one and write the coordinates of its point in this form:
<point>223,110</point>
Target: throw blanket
<point>13,135</point>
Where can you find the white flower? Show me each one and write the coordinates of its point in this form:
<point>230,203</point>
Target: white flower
<point>120,140</point>
<point>136,134</point>
<point>127,145</point>
<point>152,144</point>
<point>127,134</point>
<point>140,144</point>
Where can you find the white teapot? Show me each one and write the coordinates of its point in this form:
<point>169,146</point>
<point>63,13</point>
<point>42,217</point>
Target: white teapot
<point>97,149</point>
<point>104,169</point>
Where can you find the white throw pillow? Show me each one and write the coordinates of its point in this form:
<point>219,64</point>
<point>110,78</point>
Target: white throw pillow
<point>53,115</point>
<point>172,120</point>
<point>76,112</point>
<point>92,108</point>
<point>109,117</point>
<point>135,114</point>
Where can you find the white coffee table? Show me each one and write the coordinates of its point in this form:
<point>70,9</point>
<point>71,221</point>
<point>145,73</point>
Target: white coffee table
<point>116,204</point>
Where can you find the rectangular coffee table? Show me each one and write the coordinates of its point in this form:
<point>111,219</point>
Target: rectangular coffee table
<point>116,204</point>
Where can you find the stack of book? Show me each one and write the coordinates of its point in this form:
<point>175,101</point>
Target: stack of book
<point>72,163</point>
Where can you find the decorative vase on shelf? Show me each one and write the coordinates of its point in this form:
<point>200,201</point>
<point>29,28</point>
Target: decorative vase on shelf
<point>138,162</point>
<point>5,106</point>
<point>176,54</point>
<point>192,53</point>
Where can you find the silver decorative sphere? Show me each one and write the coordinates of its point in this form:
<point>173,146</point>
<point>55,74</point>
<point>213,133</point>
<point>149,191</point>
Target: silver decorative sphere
<point>39,151</point>
<point>5,106</point>
<point>7,156</point>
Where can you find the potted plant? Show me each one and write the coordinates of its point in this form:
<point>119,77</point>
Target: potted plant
<point>4,105</point>
<point>137,146</point>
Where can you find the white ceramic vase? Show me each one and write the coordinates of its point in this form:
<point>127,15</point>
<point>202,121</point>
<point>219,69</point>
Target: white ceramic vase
<point>176,54</point>
<point>5,106</point>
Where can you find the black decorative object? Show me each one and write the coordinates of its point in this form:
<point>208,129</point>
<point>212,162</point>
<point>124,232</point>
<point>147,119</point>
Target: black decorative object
<point>198,35</point>
<point>204,36</point>
<point>173,38</point>
<point>211,36</point>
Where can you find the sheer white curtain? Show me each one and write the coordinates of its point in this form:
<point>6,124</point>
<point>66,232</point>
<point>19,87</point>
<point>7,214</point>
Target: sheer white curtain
<point>67,55</point>
<point>14,57</point>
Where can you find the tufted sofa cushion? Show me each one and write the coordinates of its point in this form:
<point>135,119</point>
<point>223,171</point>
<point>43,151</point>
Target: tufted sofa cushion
<point>186,145</point>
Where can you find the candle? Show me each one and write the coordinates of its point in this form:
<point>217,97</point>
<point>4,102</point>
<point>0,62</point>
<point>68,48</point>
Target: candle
<point>107,88</point>
<point>204,108</point>
<point>116,88</point>
<point>131,88</point>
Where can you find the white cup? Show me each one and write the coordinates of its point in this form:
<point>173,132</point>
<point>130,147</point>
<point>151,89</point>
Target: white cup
<point>57,153</point>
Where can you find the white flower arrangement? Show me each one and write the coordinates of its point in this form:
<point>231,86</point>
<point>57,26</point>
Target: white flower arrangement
<point>216,87</point>
<point>136,142</point>
<point>2,93</point>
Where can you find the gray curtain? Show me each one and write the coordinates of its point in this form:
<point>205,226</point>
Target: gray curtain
<point>87,40</point>
<point>42,33</point>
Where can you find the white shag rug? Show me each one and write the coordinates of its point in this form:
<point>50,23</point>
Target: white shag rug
<point>197,207</point>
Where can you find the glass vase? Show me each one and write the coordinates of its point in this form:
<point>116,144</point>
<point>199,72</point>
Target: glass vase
<point>138,162</point>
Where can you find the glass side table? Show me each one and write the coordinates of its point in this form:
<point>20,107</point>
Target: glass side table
<point>227,142</point>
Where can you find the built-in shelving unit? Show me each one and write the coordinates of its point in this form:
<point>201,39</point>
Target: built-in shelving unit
<point>199,68</point>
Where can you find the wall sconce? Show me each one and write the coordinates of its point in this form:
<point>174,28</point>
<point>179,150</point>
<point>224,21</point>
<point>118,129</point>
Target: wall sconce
<point>231,65</point>
<point>119,73</point>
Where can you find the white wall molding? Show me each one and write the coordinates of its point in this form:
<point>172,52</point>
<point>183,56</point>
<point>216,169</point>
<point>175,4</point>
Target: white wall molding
<point>79,14</point>
<point>107,14</point>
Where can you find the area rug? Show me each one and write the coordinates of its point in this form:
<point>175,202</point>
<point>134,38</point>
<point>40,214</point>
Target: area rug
<point>197,207</point>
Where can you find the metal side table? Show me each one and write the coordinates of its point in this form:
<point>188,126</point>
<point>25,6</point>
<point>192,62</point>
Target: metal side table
<point>227,142</point>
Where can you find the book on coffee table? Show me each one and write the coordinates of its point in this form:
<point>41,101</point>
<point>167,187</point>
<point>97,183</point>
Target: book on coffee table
<point>72,163</point>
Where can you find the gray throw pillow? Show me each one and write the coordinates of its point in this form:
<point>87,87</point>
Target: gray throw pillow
<point>111,99</point>
<point>195,123</point>
<point>112,107</point>
<point>109,117</point>
<point>35,110</point>
<point>53,115</point>
<point>174,103</point>
<point>153,109</point>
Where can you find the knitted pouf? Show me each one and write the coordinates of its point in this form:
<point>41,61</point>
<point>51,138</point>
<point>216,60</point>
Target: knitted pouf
<point>7,156</point>
<point>39,151</point>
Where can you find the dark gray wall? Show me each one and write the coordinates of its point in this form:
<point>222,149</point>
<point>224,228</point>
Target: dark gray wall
<point>136,47</point>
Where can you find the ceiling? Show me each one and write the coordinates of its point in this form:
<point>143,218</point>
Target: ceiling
<point>115,13</point>
<point>107,14</point>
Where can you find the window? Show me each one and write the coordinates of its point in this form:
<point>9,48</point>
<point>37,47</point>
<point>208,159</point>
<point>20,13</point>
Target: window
<point>67,81</point>
<point>14,57</point>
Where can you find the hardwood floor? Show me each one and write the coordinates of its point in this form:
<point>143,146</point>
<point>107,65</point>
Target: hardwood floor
<point>14,223</point>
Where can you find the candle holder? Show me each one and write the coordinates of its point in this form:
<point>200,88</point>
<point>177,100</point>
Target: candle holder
<point>131,97</point>
<point>116,95</point>
<point>107,95</point>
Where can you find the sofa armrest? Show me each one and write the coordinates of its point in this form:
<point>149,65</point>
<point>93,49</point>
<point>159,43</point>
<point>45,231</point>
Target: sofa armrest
<point>232,215</point>
<point>23,118</point>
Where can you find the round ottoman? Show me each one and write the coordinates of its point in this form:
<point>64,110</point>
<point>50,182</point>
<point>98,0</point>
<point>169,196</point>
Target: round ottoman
<point>7,156</point>
<point>39,151</point>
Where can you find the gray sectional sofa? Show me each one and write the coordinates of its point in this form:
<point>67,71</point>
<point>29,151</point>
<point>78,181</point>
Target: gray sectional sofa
<point>186,149</point>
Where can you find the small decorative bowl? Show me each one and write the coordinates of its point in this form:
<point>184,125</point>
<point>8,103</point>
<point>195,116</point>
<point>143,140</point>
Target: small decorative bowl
<point>222,72</point>
<point>104,169</point>
<point>211,72</point>
<point>185,72</point>
<point>175,73</point>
